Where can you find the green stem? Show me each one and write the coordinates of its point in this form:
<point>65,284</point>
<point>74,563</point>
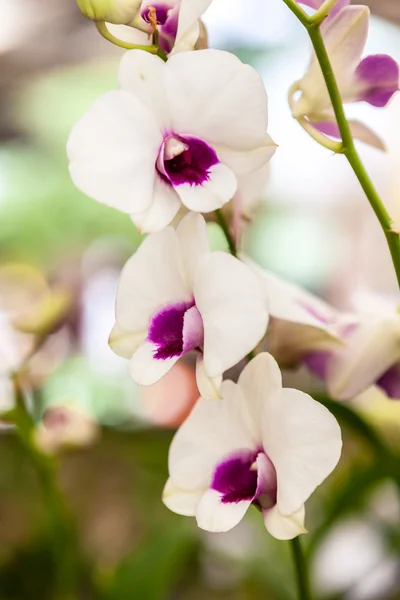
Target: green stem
<point>225,228</point>
<point>348,147</point>
<point>61,532</point>
<point>107,35</point>
<point>323,11</point>
<point>303,585</point>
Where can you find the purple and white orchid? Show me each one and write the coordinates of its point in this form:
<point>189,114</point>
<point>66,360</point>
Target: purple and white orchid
<point>176,296</point>
<point>260,444</point>
<point>177,23</point>
<point>172,136</point>
<point>373,79</point>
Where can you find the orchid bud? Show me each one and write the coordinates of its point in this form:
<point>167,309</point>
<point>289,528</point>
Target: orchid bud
<point>119,12</point>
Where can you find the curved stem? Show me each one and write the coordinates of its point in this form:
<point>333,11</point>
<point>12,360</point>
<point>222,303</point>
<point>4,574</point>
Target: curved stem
<point>225,228</point>
<point>107,35</point>
<point>323,11</point>
<point>348,147</point>
<point>303,585</point>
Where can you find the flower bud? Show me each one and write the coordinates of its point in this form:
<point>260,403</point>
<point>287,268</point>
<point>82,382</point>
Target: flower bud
<point>119,12</point>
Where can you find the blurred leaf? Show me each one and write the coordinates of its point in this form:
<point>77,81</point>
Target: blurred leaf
<point>152,571</point>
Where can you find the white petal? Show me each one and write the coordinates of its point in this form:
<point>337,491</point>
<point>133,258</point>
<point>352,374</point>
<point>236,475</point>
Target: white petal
<point>129,34</point>
<point>163,210</point>
<point>182,502</point>
<point>370,351</point>
<point>189,13</point>
<point>216,516</point>
<point>124,343</point>
<point>284,528</point>
<point>214,429</point>
<point>145,369</point>
<point>246,162</point>
<point>112,152</point>
<point>211,194</point>
<point>233,305</point>
<point>303,441</point>
<point>345,38</point>
<point>142,74</point>
<point>208,387</point>
<point>151,279</point>
<point>217,98</point>
<point>193,241</point>
<point>258,380</point>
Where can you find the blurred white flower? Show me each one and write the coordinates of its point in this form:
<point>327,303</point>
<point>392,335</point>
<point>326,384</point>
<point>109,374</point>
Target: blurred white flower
<point>176,296</point>
<point>65,426</point>
<point>181,132</point>
<point>374,79</point>
<point>261,444</point>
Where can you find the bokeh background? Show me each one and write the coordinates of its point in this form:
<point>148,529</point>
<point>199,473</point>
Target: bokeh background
<point>313,226</point>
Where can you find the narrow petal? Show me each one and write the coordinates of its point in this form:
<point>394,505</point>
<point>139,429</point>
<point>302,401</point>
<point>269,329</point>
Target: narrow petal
<point>258,380</point>
<point>358,130</point>
<point>284,528</point>
<point>201,442</point>
<point>208,387</point>
<point>112,152</point>
<point>181,502</point>
<point>303,441</point>
<point>215,516</point>
<point>151,279</point>
<point>220,88</point>
<point>142,74</point>
<point>163,210</point>
<point>370,351</point>
<point>193,242</point>
<point>233,305</point>
<point>212,194</point>
<point>145,369</point>
<point>124,343</point>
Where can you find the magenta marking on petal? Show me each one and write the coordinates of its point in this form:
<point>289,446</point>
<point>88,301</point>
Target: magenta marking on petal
<point>317,362</point>
<point>389,382</point>
<point>166,330</point>
<point>191,165</point>
<point>193,329</point>
<point>315,313</point>
<point>246,475</point>
<point>162,12</point>
<point>234,478</point>
<point>379,76</point>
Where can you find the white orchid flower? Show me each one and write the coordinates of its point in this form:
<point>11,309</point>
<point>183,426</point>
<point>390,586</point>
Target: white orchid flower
<point>180,132</point>
<point>300,322</point>
<point>260,444</point>
<point>177,23</point>
<point>176,296</point>
<point>374,79</point>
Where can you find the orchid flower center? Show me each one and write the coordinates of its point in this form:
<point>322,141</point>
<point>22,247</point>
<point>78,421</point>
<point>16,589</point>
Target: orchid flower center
<point>175,330</point>
<point>184,159</point>
<point>164,17</point>
<point>246,475</point>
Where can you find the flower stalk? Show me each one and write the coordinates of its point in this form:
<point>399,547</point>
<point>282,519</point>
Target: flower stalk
<point>303,585</point>
<point>347,147</point>
<point>225,228</point>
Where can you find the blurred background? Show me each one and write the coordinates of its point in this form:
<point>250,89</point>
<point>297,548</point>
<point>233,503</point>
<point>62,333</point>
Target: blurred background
<point>313,226</point>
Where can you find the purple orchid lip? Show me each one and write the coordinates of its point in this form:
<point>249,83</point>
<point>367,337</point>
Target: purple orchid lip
<point>185,160</point>
<point>246,475</point>
<point>378,76</point>
<point>317,362</point>
<point>167,17</point>
<point>389,382</point>
<point>175,330</point>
